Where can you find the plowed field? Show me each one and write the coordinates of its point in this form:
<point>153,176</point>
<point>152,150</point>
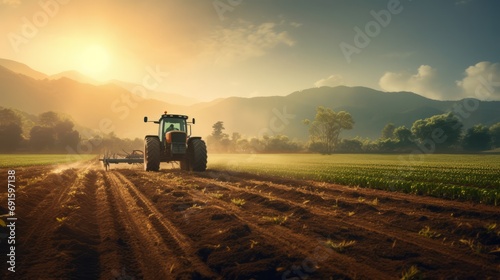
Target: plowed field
<point>80,221</point>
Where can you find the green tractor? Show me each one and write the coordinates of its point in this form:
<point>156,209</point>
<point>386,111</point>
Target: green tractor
<point>174,143</point>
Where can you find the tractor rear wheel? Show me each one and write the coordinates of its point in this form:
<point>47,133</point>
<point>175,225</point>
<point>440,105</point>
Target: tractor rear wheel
<point>196,156</point>
<point>152,153</point>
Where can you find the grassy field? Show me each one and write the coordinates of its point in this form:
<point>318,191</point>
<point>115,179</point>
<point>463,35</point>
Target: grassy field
<point>18,160</point>
<point>464,177</point>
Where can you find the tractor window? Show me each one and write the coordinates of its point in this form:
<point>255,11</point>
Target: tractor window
<point>171,124</point>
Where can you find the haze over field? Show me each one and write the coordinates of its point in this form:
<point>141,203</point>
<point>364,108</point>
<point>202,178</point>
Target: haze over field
<point>91,60</point>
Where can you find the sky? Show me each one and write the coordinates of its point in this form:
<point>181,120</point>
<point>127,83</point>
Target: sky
<point>208,49</point>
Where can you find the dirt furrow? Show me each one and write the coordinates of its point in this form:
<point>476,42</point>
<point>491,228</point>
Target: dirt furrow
<point>78,234</point>
<point>227,245</point>
<point>45,224</point>
<point>117,258</point>
<point>397,200</point>
<point>60,191</point>
<point>290,196</point>
<point>457,221</point>
<point>164,252</point>
<point>293,245</point>
<point>77,222</point>
<point>152,260</point>
<point>283,237</point>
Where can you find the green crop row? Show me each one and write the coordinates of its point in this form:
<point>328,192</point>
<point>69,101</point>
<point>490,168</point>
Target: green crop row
<point>473,178</point>
<point>20,160</point>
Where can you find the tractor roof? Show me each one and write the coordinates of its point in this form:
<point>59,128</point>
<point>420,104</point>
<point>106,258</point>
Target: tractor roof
<point>173,116</point>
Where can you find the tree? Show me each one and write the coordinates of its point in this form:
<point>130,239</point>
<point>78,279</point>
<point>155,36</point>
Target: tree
<point>42,138</point>
<point>217,132</point>
<point>388,131</point>
<point>256,145</point>
<point>370,146</point>
<point>442,131</point>
<point>243,146</point>
<point>387,145</point>
<point>477,138</point>
<point>65,135</point>
<point>350,146</point>
<point>280,144</point>
<point>317,147</point>
<point>53,133</point>
<point>403,135</point>
<point>218,140</point>
<point>49,119</point>
<point>327,126</point>
<point>235,137</point>
<point>10,130</point>
<point>495,134</point>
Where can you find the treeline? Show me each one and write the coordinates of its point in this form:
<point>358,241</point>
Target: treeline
<point>53,133</point>
<point>218,141</point>
<point>439,133</point>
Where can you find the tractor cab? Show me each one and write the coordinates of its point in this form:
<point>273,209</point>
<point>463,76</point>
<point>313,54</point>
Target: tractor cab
<point>171,122</point>
<point>170,125</point>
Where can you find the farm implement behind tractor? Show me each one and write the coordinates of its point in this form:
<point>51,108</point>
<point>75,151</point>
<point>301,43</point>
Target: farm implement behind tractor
<point>173,143</point>
<point>136,157</point>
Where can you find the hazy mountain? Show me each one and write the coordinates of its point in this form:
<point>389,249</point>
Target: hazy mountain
<point>170,98</point>
<point>20,68</point>
<point>371,110</point>
<point>24,69</point>
<point>107,108</point>
<point>77,76</point>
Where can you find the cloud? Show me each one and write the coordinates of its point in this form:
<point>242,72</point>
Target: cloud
<point>12,3</point>
<point>425,82</point>
<point>481,81</point>
<point>331,81</point>
<point>244,40</point>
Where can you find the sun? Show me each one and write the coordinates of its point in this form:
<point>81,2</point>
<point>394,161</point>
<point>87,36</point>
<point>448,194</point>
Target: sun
<point>94,61</point>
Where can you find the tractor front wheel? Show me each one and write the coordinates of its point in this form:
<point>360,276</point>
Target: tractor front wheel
<point>152,153</point>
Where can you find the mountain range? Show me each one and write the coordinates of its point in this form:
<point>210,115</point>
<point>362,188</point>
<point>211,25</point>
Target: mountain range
<point>111,107</point>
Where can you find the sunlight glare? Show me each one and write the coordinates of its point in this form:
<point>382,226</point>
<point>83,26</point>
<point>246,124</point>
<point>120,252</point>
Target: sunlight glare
<point>94,61</point>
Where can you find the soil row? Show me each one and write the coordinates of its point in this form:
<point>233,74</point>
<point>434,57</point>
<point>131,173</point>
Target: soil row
<point>81,222</point>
